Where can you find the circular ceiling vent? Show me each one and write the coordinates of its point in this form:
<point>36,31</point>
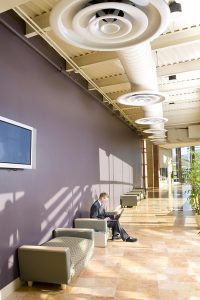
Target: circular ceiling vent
<point>109,25</point>
<point>155,131</point>
<point>141,98</point>
<point>156,137</point>
<point>151,120</point>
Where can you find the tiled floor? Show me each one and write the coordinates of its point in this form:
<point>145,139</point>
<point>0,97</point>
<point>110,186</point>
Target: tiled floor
<point>164,264</point>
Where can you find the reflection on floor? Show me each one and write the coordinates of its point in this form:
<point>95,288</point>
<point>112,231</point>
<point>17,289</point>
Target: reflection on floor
<point>164,264</point>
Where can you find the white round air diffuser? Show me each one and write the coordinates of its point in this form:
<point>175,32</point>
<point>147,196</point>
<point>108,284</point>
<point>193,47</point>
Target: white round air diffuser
<point>156,137</point>
<point>155,131</point>
<point>109,26</point>
<point>151,120</point>
<point>141,98</point>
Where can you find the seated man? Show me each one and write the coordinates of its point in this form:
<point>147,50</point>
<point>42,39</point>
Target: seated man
<point>97,210</point>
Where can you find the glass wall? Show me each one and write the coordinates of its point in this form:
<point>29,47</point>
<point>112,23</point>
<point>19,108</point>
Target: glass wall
<point>181,160</point>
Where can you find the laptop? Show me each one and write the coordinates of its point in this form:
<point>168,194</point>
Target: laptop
<point>119,215</point>
<point>114,217</point>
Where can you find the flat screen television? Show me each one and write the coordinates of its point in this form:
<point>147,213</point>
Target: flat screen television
<point>17,145</point>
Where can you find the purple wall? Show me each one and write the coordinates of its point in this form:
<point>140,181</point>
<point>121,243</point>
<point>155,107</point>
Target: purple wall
<point>82,149</point>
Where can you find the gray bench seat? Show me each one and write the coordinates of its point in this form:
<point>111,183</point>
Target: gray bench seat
<point>129,200</point>
<point>59,259</point>
<point>79,249</point>
<point>101,230</point>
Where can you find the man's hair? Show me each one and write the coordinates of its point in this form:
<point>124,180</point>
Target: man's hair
<point>102,195</point>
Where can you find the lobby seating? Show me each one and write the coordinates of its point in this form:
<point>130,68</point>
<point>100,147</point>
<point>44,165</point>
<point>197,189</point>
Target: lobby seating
<point>127,200</point>
<point>137,193</point>
<point>101,230</point>
<point>132,197</point>
<point>142,190</point>
<point>59,259</point>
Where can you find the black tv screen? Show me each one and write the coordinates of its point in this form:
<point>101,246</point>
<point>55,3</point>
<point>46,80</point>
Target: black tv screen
<point>16,144</point>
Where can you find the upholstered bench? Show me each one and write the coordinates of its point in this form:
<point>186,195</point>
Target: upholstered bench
<point>140,194</point>
<point>59,259</point>
<point>129,200</point>
<point>101,230</point>
<point>139,189</point>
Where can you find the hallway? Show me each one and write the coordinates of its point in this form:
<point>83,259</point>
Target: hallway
<point>164,264</point>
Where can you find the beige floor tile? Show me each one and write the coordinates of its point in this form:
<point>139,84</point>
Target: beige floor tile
<point>164,264</point>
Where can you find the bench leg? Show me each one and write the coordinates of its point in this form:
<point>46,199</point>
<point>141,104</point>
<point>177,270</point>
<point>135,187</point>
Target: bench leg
<point>30,283</point>
<point>63,286</point>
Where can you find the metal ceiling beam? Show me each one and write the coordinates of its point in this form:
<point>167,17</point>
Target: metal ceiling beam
<point>114,96</point>
<point>180,67</point>
<point>6,5</point>
<point>185,97</point>
<point>179,85</point>
<point>115,79</point>
<point>42,21</point>
<point>178,38</point>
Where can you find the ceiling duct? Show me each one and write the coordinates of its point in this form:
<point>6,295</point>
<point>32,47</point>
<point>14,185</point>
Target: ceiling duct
<point>125,26</point>
<point>141,71</point>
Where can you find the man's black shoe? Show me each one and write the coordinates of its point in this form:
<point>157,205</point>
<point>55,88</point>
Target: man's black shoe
<point>116,237</point>
<point>131,239</point>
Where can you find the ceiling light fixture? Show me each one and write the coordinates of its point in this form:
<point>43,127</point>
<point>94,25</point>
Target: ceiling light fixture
<point>155,131</point>
<point>109,25</point>
<point>141,98</point>
<point>156,137</point>
<point>151,120</point>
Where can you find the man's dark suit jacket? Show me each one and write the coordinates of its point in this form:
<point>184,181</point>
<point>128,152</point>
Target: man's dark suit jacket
<point>98,211</point>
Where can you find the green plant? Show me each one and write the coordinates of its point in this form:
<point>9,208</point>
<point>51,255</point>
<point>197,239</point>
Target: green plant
<point>192,177</point>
